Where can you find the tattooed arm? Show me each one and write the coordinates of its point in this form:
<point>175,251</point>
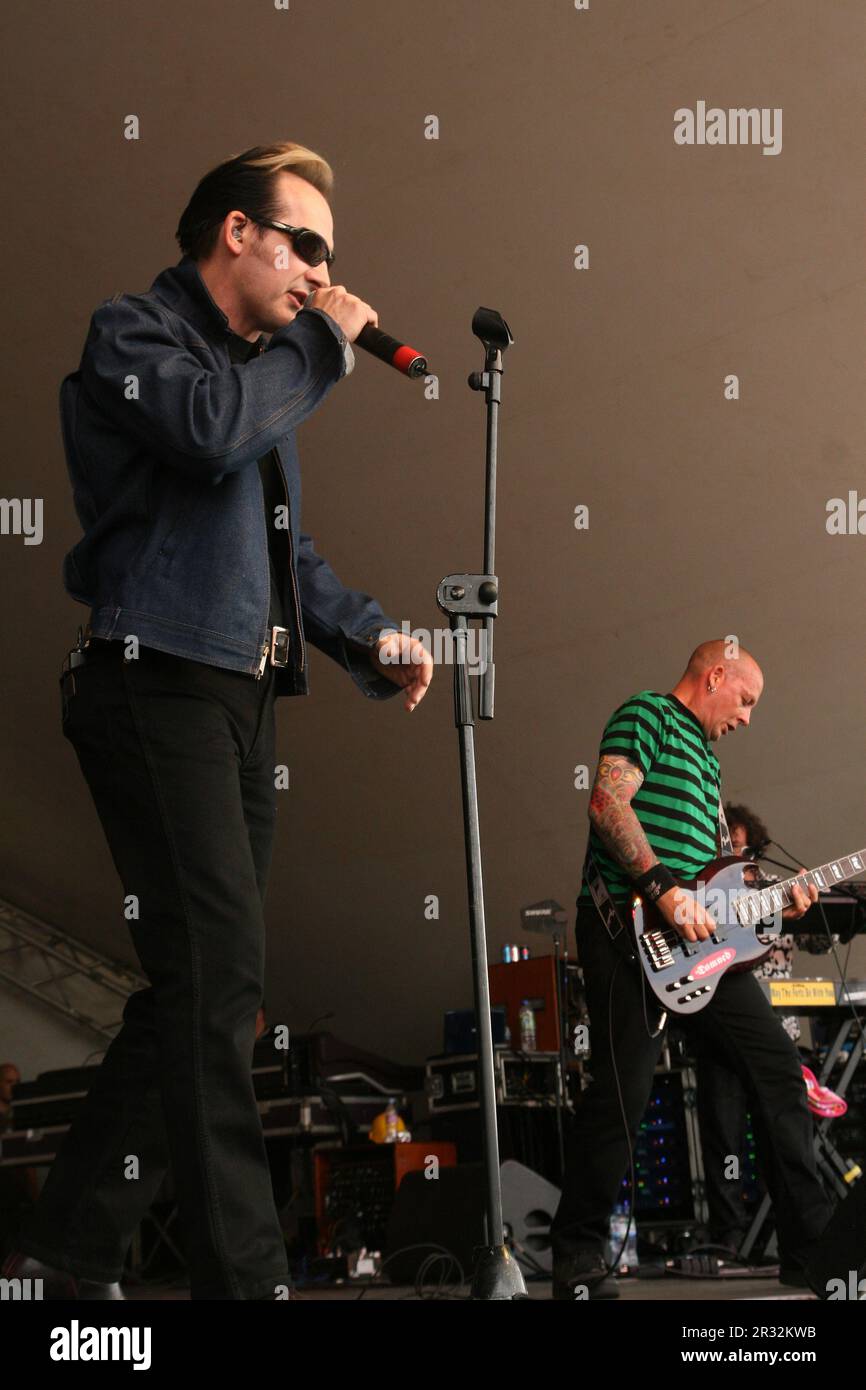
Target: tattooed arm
<point>616,782</point>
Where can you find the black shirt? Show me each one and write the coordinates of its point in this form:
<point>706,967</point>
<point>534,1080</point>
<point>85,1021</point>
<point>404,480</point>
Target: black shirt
<point>274,495</point>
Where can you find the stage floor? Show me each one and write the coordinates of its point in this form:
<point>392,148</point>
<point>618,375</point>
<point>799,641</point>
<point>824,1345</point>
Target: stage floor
<point>631,1290</point>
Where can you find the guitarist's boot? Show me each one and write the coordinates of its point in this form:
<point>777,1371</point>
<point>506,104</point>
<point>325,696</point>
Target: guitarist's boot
<point>582,1274</point>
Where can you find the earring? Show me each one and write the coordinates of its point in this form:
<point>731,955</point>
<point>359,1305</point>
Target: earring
<point>711,688</point>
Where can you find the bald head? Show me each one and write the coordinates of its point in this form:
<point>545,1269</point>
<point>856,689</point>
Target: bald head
<point>721,651</point>
<point>720,685</point>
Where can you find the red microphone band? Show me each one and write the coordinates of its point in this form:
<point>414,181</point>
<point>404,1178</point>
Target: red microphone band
<point>409,360</point>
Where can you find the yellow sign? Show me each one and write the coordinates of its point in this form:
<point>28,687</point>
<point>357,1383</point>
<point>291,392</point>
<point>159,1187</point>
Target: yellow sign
<point>803,994</point>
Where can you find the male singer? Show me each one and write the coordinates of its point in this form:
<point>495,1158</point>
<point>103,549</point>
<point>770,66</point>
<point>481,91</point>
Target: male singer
<point>179,432</point>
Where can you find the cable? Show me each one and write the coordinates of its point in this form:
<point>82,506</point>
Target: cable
<point>522,1254</point>
<point>609,1269</point>
<point>614,1264</point>
<point>440,1254</point>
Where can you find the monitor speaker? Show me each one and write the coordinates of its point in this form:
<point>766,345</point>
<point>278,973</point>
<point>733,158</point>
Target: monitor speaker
<point>448,1212</point>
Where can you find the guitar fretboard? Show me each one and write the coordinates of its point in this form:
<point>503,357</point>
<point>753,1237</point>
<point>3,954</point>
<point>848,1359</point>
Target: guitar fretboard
<point>763,902</point>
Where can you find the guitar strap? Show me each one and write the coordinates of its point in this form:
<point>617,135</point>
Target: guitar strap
<point>725,846</point>
<point>605,905</point>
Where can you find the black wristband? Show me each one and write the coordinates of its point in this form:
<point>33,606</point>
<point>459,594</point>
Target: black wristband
<point>655,882</point>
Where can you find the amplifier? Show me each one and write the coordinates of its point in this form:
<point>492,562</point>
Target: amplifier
<point>535,980</point>
<point>668,1160</point>
<point>355,1189</point>
<point>521,1078</point>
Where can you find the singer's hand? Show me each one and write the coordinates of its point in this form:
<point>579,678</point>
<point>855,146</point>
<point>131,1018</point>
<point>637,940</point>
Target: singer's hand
<point>405,661</point>
<point>350,312</point>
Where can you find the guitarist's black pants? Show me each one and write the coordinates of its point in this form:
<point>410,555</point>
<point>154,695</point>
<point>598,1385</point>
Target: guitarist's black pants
<point>739,1026</point>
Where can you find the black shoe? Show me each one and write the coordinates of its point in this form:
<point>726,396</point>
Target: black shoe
<point>585,1268</point>
<point>725,1243</point>
<point>57,1283</point>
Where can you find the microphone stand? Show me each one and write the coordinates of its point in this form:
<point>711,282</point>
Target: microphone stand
<point>464,596</point>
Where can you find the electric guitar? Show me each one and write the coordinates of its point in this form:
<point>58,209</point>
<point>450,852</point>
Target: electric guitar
<point>684,975</point>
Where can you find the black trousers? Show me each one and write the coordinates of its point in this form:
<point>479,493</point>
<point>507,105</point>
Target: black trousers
<point>722,1105</point>
<point>739,1026</point>
<point>179,758</point>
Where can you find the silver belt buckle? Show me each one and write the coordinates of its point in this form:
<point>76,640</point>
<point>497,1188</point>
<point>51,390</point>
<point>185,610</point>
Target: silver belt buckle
<point>279,646</point>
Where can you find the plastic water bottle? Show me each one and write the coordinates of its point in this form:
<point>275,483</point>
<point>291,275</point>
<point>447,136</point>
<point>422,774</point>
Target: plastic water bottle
<point>391,1121</point>
<point>619,1224</point>
<point>631,1258</point>
<point>526,1018</point>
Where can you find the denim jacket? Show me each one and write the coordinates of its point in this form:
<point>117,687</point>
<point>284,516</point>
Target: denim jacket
<point>162,437</point>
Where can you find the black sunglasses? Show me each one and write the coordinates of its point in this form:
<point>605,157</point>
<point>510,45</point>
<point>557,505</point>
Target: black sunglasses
<point>309,245</point>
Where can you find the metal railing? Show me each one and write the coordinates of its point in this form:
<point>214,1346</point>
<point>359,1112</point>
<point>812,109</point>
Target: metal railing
<point>57,969</point>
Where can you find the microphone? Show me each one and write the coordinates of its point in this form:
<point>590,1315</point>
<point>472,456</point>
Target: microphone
<point>398,355</point>
<point>403,358</point>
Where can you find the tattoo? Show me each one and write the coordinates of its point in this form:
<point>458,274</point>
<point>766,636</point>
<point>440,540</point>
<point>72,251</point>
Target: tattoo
<point>616,782</point>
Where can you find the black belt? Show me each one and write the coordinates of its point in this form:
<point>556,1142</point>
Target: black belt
<point>275,650</point>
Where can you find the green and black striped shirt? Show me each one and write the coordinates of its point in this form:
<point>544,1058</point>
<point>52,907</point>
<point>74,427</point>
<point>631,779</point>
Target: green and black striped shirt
<point>677,803</point>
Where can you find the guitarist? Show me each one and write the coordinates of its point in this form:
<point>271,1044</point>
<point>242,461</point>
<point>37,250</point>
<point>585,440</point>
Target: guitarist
<point>654,813</point>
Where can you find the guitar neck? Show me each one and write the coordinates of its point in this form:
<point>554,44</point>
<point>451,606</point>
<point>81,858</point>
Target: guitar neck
<point>763,902</point>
